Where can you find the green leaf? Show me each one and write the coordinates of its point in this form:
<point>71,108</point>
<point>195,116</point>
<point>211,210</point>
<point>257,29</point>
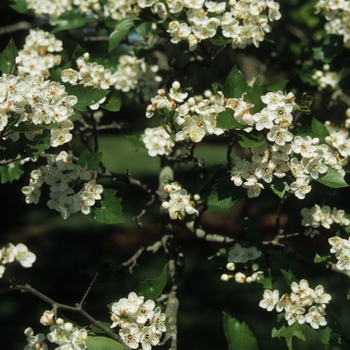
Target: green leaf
<point>325,335</point>
<point>288,333</point>
<point>332,179</point>
<point>224,193</point>
<point>288,276</point>
<point>91,160</point>
<point>135,142</point>
<point>8,58</point>
<point>238,335</point>
<point>330,47</point>
<point>33,148</point>
<point>97,330</point>
<point>86,95</point>
<point>26,127</point>
<point>11,172</point>
<point>205,176</point>
<point>120,31</point>
<point>250,140</point>
<point>319,259</point>
<point>319,129</point>
<point>279,187</point>
<point>235,84</point>
<point>225,120</point>
<point>103,343</point>
<point>69,20</point>
<point>20,6</point>
<point>266,282</point>
<point>254,94</point>
<point>113,104</point>
<point>152,288</point>
<point>277,86</point>
<point>111,210</point>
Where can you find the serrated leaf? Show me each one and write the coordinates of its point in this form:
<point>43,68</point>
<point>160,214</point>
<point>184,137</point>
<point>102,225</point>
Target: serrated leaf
<point>250,140</point>
<point>319,129</point>
<point>87,96</point>
<point>91,160</point>
<point>224,193</point>
<point>26,127</point>
<point>113,104</point>
<point>33,148</point>
<point>152,288</point>
<point>288,333</point>
<point>121,30</point>
<point>288,276</point>
<point>10,172</point>
<point>97,330</point>
<point>8,58</point>
<point>330,47</point>
<point>103,343</point>
<point>332,179</point>
<point>20,6</point>
<point>279,187</point>
<point>111,211</point>
<point>235,84</point>
<point>266,282</point>
<point>277,86</point>
<point>319,259</point>
<point>254,94</point>
<point>226,121</point>
<point>69,20</point>
<point>135,142</point>
<point>238,335</point>
<point>325,335</point>
<point>205,176</point>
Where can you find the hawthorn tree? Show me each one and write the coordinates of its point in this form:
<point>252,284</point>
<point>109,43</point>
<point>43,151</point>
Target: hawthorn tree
<point>242,110</point>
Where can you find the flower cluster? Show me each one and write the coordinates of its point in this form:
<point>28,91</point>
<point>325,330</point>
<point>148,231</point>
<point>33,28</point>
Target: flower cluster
<point>36,102</point>
<point>37,56</point>
<point>239,256</point>
<point>180,202</point>
<point>196,117</point>
<point>240,23</point>
<point>135,74</point>
<point>140,321</point>
<point>325,216</point>
<point>337,14</point>
<point>157,141</point>
<point>13,253</point>
<point>339,139</point>
<point>89,74</point>
<point>61,175</point>
<point>341,248</point>
<point>303,304</point>
<point>121,9</point>
<point>305,158</point>
<point>61,333</point>
<point>53,9</point>
<point>326,78</point>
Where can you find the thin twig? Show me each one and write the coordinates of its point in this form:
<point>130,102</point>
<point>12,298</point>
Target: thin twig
<point>22,25</point>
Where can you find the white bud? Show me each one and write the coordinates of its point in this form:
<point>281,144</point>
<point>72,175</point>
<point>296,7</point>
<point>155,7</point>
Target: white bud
<point>207,93</point>
<point>176,85</point>
<point>230,266</point>
<point>165,205</point>
<point>224,277</point>
<point>86,56</point>
<point>249,279</point>
<point>255,267</point>
<point>240,277</point>
<point>191,101</point>
<point>326,67</point>
<point>68,327</point>
<point>59,321</point>
<point>196,197</point>
<point>315,141</point>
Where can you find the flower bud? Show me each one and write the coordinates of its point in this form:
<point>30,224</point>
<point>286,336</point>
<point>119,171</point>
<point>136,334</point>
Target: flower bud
<point>176,85</point>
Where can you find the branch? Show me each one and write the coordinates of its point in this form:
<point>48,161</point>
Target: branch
<point>55,305</point>
<point>23,25</point>
<point>194,227</point>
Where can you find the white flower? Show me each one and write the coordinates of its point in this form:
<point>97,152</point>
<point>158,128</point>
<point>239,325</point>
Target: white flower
<point>270,299</point>
<point>279,135</point>
<point>158,320</point>
<point>149,337</point>
<point>34,341</point>
<point>295,314</point>
<point>24,256</point>
<point>315,317</point>
<point>131,335</point>
<point>301,186</point>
